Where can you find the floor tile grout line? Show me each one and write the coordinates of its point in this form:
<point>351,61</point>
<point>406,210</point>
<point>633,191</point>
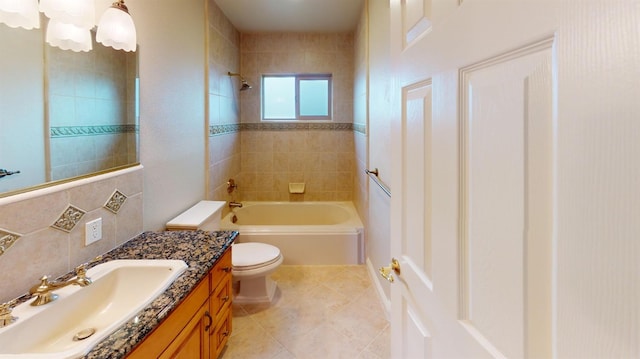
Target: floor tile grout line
<point>314,281</point>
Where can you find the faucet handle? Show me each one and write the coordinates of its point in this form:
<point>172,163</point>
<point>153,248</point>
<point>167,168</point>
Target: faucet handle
<point>5,313</point>
<point>81,270</point>
<point>6,307</point>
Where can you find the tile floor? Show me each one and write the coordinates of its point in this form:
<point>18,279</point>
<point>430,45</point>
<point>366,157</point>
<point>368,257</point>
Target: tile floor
<point>318,312</point>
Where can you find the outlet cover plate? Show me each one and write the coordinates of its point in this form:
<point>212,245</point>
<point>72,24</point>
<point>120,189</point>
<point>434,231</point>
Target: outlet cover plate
<point>93,231</point>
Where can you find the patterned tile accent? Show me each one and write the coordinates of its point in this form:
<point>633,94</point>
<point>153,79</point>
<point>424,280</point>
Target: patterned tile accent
<point>68,219</point>
<point>279,126</point>
<point>77,131</point>
<point>288,126</point>
<point>223,129</point>
<point>361,128</point>
<point>115,202</point>
<point>7,239</point>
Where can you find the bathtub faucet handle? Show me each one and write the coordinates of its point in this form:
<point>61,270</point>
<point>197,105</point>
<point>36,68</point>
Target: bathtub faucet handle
<point>231,185</point>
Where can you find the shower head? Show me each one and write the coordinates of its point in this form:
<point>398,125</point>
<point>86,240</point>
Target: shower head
<point>245,84</point>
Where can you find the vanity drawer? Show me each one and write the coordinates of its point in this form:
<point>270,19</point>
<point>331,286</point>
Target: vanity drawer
<point>220,335</point>
<point>221,271</point>
<point>220,300</point>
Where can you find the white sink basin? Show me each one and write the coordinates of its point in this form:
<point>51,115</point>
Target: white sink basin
<point>120,289</point>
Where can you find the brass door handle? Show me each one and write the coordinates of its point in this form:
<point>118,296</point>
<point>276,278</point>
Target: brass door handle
<point>386,272</point>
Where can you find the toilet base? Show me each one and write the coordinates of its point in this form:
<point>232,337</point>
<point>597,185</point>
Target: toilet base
<point>255,290</point>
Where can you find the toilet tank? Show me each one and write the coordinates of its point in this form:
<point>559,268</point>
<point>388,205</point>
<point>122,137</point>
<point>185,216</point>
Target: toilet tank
<point>204,215</point>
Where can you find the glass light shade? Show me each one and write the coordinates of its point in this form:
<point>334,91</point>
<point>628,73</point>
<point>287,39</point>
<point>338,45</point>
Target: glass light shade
<point>116,29</point>
<point>81,13</point>
<point>20,13</point>
<point>68,36</point>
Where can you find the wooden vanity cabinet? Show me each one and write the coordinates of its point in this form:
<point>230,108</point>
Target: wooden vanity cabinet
<point>220,304</point>
<point>200,326</point>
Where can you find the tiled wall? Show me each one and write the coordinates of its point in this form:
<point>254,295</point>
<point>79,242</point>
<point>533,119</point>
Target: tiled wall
<point>41,249</point>
<point>223,104</point>
<point>91,109</point>
<point>360,117</point>
<point>273,156</point>
<point>378,152</point>
<point>322,159</point>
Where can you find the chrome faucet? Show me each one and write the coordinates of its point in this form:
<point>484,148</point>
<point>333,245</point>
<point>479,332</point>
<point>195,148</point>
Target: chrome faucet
<point>234,204</point>
<point>44,291</point>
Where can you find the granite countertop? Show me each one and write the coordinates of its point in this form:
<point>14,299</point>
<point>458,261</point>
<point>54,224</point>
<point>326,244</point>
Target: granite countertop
<point>199,249</point>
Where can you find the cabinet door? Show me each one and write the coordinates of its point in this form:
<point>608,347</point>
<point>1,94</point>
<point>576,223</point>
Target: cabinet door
<point>193,340</point>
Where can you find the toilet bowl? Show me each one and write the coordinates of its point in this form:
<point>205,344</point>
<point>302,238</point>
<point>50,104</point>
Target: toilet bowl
<point>252,262</point>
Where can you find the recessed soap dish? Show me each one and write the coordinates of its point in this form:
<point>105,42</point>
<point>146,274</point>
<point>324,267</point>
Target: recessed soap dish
<point>296,187</point>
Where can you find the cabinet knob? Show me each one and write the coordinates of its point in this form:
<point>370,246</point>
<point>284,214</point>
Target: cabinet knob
<point>226,269</point>
<point>224,299</point>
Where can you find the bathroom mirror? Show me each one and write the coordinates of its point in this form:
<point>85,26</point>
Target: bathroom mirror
<point>64,115</point>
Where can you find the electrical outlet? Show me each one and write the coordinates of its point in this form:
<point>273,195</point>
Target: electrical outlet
<point>93,231</point>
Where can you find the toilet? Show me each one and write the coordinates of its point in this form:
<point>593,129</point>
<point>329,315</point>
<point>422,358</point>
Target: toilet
<point>252,262</point>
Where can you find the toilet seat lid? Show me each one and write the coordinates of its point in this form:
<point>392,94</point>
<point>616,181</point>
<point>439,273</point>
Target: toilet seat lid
<point>251,254</point>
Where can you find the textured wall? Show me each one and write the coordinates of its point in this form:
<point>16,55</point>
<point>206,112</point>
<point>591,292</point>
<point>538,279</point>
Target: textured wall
<point>361,116</point>
<point>42,249</point>
<point>223,104</point>
<point>172,110</point>
<point>321,155</point>
<point>172,131</point>
<point>378,131</point>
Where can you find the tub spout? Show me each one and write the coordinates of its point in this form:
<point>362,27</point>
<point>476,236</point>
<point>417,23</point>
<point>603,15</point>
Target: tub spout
<point>233,204</point>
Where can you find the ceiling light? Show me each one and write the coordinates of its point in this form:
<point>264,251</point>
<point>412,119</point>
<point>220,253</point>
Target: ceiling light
<point>68,36</point>
<point>20,13</point>
<point>116,28</point>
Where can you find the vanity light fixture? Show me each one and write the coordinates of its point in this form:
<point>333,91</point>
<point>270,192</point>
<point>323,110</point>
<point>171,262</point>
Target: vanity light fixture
<point>81,13</point>
<point>116,28</point>
<point>20,13</point>
<point>68,36</point>
<point>70,23</point>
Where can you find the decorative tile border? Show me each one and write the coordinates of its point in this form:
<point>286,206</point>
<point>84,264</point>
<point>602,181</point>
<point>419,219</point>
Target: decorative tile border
<point>360,128</point>
<point>77,131</point>
<point>7,239</point>
<point>68,219</point>
<point>115,202</point>
<point>215,130</point>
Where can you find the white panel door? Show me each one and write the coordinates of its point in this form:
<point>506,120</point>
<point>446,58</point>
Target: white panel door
<point>486,227</point>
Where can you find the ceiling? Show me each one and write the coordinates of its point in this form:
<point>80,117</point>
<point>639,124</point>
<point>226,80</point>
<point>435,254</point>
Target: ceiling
<point>292,15</point>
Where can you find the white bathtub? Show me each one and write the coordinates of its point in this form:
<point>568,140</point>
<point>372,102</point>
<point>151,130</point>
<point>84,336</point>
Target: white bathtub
<point>305,232</point>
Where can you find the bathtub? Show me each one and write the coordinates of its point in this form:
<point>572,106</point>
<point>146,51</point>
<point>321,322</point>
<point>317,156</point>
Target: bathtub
<point>305,232</point>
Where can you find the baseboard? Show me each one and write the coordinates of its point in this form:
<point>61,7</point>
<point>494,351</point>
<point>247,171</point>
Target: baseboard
<point>384,301</point>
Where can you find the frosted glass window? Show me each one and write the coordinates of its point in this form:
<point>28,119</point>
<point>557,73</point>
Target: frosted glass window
<point>279,96</point>
<point>296,97</point>
<point>314,97</point>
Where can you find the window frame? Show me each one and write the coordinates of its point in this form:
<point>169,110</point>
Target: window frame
<point>298,77</point>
